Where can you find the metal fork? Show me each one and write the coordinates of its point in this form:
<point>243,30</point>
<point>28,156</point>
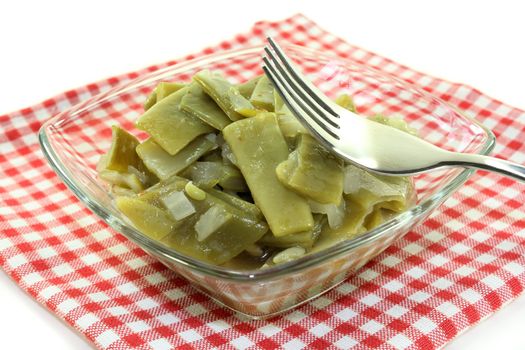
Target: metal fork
<point>374,146</point>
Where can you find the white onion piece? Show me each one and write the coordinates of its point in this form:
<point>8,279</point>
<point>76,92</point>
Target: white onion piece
<point>114,177</point>
<point>210,221</point>
<point>351,180</point>
<point>356,178</point>
<point>227,154</point>
<point>335,213</point>
<point>178,205</point>
<point>102,163</point>
<point>142,176</point>
<point>212,137</point>
<point>219,140</point>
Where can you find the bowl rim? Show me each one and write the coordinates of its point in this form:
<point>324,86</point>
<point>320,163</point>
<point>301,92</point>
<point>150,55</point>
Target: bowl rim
<point>155,248</point>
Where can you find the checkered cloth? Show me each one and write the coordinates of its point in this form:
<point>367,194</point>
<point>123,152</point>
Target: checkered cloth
<point>457,268</point>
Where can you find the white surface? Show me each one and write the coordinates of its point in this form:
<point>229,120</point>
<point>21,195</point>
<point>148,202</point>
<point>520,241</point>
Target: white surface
<point>48,47</point>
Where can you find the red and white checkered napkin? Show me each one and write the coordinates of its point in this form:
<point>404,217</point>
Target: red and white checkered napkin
<point>457,268</point>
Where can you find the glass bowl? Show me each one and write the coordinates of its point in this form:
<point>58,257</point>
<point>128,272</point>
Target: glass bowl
<point>74,140</point>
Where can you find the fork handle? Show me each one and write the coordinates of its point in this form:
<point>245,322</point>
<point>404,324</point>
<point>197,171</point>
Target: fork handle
<point>493,164</point>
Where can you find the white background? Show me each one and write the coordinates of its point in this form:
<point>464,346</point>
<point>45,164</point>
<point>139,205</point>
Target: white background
<point>51,46</point>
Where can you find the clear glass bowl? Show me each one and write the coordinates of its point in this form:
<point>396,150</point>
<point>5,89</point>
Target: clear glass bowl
<point>74,140</point>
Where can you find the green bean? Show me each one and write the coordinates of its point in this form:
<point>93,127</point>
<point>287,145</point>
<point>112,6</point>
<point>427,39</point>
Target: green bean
<point>164,165</point>
<point>226,95</point>
<point>238,229</point>
<point>246,88</point>
<point>304,239</point>
<point>259,147</point>
<point>169,126</point>
<point>200,105</point>
<point>121,153</point>
<point>162,90</point>
<point>346,102</point>
<point>313,172</point>
<point>156,223</point>
<point>263,95</point>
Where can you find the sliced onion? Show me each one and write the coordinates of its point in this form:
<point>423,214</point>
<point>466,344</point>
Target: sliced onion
<point>125,180</point>
<point>212,137</point>
<point>227,154</point>
<point>142,176</point>
<point>210,222</point>
<point>335,213</point>
<point>351,179</point>
<point>102,163</point>
<point>356,178</point>
<point>178,205</point>
<point>220,140</point>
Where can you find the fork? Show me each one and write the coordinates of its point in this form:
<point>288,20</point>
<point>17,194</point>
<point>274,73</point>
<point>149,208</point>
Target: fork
<point>368,144</point>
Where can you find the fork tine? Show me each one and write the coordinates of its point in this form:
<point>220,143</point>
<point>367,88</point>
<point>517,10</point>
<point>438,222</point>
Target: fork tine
<point>306,97</point>
<point>310,88</point>
<point>297,111</point>
<point>304,113</point>
<point>286,85</point>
